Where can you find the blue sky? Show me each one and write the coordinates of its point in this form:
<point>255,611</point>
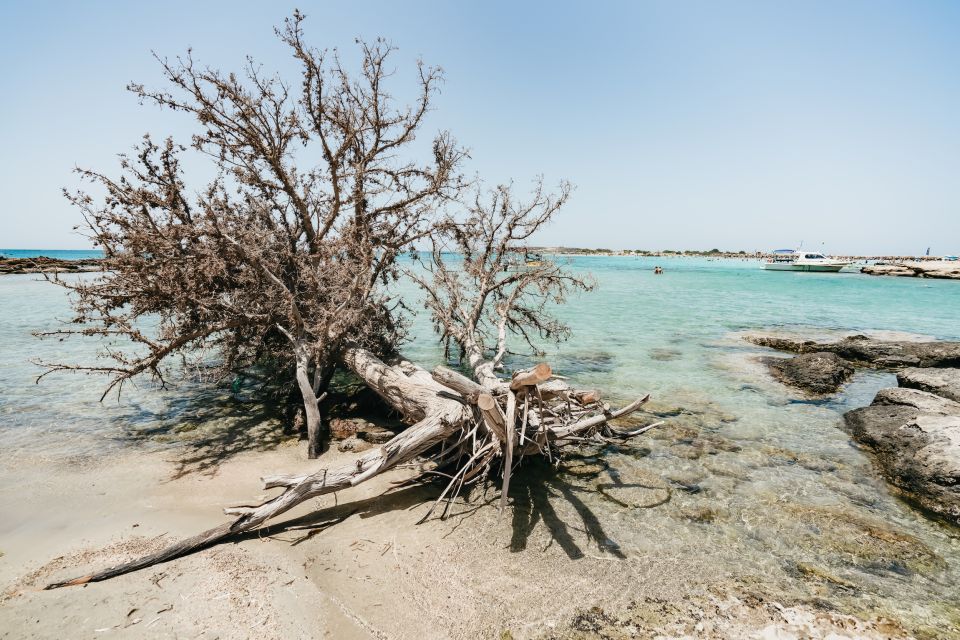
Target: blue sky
<point>684,125</point>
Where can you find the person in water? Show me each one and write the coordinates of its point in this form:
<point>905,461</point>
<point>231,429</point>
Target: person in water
<point>657,270</point>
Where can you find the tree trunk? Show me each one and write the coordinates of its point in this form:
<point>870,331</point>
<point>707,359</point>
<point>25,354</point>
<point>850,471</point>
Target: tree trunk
<point>439,415</point>
<point>481,367</point>
<point>311,406</point>
<point>408,388</point>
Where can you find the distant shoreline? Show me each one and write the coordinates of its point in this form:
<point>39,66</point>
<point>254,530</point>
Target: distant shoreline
<point>86,255</point>
<point>43,264</point>
<point>903,266</point>
<point>713,253</point>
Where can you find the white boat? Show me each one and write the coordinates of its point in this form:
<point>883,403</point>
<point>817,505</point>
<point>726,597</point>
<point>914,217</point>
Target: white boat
<point>798,260</point>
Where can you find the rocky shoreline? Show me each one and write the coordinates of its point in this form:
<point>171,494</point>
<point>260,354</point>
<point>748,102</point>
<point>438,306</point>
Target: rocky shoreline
<point>941,269</point>
<point>42,264</point>
<point>912,430</point>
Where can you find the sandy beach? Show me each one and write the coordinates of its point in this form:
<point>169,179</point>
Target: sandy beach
<point>371,575</point>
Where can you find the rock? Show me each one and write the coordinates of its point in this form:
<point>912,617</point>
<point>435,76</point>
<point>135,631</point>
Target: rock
<point>866,424</point>
<point>341,428</point>
<point>702,514</point>
<point>922,401</point>
<point>374,434</point>
<point>42,264</point>
<point>915,438</point>
<point>354,444</point>
<point>872,351</point>
<point>943,382</point>
<point>946,269</point>
<point>585,467</point>
<point>794,345</point>
<point>665,355</point>
<point>818,373</point>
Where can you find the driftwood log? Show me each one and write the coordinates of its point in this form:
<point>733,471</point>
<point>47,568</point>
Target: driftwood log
<point>471,431</point>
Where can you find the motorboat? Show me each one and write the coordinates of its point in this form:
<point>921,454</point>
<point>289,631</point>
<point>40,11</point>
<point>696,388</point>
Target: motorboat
<point>529,260</point>
<point>799,260</point>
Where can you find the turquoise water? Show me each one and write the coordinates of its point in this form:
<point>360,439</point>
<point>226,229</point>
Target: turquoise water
<point>61,254</point>
<point>757,481</point>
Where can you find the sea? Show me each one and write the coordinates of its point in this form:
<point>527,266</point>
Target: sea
<point>755,480</point>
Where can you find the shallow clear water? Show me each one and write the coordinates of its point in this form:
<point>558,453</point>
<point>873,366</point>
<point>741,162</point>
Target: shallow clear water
<point>758,482</point>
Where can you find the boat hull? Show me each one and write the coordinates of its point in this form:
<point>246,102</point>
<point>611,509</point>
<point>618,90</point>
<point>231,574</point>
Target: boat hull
<point>822,268</point>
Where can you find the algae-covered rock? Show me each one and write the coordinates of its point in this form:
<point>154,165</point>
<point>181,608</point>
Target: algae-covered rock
<point>665,355</point>
<point>584,467</point>
<point>872,351</point>
<point>859,542</point>
<point>702,514</point>
<point>817,373</point>
<point>722,616</point>
<point>813,572</point>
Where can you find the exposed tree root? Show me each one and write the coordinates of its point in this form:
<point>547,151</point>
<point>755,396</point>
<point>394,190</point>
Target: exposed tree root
<point>471,431</point>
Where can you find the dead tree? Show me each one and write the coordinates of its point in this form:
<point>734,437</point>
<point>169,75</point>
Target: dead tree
<point>280,262</point>
<point>460,423</point>
<point>472,429</point>
<point>271,264</point>
<point>489,292</point>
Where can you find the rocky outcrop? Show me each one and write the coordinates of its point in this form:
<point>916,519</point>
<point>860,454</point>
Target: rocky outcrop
<point>816,373</point>
<point>913,431</point>
<point>944,269</point>
<point>915,437</point>
<point>943,382</point>
<point>922,401</point>
<point>46,265</point>
<point>872,351</point>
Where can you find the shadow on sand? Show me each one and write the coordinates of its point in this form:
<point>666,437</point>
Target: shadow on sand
<point>535,494</point>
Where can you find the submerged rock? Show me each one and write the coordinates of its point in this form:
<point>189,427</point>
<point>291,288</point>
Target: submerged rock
<point>819,373</point>
<point>856,543</point>
<point>915,438</point>
<point>720,615</point>
<point>943,382</point>
<point>665,355</point>
<point>702,514</point>
<point>872,351</point>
